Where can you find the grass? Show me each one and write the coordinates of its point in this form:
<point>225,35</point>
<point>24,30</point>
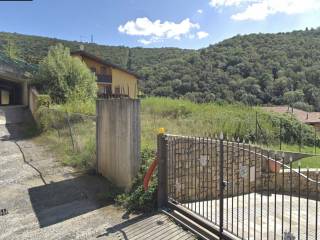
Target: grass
<point>309,162</point>
<point>184,117</point>
<point>75,148</point>
<point>294,148</point>
<point>188,118</point>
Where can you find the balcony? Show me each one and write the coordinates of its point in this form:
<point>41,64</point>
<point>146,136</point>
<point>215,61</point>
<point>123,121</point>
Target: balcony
<point>104,78</point>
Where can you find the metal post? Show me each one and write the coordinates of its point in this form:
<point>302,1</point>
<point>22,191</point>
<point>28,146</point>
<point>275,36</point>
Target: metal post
<point>280,139</point>
<point>257,141</point>
<point>162,154</point>
<point>300,138</point>
<point>221,159</point>
<point>315,141</point>
<point>70,132</point>
<point>97,135</point>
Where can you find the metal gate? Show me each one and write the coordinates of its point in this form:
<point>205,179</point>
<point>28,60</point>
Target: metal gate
<point>237,190</point>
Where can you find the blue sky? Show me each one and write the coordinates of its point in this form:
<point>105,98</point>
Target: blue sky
<point>154,23</point>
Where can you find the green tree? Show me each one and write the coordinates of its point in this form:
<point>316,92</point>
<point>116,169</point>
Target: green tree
<point>65,78</point>
<point>11,49</point>
<point>292,97</point>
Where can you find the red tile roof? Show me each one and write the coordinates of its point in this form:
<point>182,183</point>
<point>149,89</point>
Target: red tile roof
<point>303,116</point>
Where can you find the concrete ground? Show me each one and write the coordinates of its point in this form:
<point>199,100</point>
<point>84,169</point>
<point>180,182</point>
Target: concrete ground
<point>46,200</point>
<point>253,213</point>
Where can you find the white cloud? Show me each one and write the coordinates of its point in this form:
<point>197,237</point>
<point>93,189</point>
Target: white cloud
<point>227,3</point>
<point>157,30</point>
<point>144,41</point>
<point>202,34</point>
<point>200,11</point>
<point>260,9</point>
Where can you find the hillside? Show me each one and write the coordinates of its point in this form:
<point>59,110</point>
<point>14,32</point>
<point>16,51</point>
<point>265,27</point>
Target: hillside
<point>253,69</point>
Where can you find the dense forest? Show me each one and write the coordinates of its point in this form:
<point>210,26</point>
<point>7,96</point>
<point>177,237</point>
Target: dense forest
<point>281,68</point>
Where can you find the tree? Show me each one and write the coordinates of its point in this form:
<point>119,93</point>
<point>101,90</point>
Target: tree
<point>292,97</point>
<point>64,77</point>
<point>11,49</point>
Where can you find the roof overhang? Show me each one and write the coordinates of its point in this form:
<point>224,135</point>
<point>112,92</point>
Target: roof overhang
<point>7,73</point>
<point>100,60</point>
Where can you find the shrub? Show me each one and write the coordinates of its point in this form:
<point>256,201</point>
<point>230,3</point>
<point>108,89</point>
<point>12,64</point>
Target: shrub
<point>43,100</point>
<point>138,199</point>
<point>303,106</point>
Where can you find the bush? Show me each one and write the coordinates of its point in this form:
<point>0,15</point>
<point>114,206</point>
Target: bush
<point>303,106</point>
<point>138,199</point>
<point>43,100</point>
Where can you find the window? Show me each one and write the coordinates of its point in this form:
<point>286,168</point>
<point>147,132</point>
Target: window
<point>103,70</point>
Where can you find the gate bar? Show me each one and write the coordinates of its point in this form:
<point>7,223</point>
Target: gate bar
<point>162,155</point>
<point>221,159</point>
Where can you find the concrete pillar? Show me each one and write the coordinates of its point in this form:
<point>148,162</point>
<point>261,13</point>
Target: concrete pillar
<point>118,140</point>
<point>25,94</point>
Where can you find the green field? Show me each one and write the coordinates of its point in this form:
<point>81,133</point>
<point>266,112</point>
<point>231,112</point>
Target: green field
<point>187,118</point>
<point>309,162</point>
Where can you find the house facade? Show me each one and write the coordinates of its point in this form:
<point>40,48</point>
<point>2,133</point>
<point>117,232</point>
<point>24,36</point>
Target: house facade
<point>111,79</point>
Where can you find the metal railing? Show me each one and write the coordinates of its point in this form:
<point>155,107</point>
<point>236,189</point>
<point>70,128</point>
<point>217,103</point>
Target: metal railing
<point>237,190</point>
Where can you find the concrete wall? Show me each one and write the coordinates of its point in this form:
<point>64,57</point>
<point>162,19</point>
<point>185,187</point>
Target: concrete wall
<point>287,155</point>
<point>118,140</point>
<point>25,94</point>
<point>33,101</point>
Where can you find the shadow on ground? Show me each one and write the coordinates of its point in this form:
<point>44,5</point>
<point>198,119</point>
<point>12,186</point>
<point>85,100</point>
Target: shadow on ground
<point>56,202</point>
<point>18,132</point>
<point>142,226</point>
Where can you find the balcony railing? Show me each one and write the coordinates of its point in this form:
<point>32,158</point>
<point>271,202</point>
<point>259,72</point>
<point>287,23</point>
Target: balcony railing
<point>104,78</point>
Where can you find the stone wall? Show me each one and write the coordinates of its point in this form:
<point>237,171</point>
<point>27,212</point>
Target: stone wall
<point>194,168</point>
<point>194,171</point>
<point>287,182</point>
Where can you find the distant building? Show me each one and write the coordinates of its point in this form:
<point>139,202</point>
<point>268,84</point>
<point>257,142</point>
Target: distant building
<point>311,118</point>
<point>111,79</point>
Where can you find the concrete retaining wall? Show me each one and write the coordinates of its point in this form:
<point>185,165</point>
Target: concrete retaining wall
<point>118,140</point>
<point>33,101</point>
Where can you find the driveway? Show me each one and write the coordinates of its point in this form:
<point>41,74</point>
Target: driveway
<point>46,200</point>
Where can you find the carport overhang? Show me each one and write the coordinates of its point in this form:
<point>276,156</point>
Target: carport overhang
<point>17,78</point>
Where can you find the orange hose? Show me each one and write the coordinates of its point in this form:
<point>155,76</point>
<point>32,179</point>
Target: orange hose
<point>149,173</point>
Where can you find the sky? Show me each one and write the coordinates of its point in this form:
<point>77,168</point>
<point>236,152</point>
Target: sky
<point>189,24</point>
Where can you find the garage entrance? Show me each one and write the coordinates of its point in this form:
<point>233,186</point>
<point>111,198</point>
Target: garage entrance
<point>10,93</point>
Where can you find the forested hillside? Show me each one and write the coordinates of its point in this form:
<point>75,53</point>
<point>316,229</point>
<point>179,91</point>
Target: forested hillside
<point>253,69</point>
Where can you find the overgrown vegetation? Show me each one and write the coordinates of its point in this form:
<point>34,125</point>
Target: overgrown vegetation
<point>70,136</point>
<point>187,118</point>
<point>138,199</point>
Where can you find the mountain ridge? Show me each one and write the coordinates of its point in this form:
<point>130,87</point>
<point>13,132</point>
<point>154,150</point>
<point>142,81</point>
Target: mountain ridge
<point>254,69</point>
